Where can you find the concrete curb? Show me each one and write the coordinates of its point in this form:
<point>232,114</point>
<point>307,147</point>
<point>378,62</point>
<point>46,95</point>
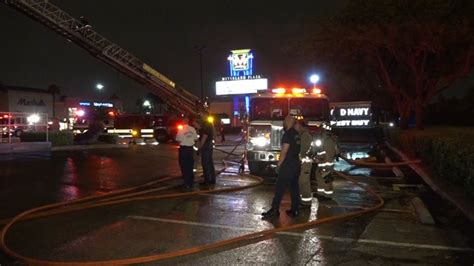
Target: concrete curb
<point>88,147</point>
<point>423,213</point>
<point>22,147</point>
<point>448,191</point>
<point>396,170</point>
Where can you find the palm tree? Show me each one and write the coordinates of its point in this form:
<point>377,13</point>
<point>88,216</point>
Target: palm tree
<point>54,89</point>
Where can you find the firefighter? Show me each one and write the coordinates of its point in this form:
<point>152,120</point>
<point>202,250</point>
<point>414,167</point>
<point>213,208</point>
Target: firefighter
<point>221,130</point>
<point>206,148</point>
<point>326,155</point>
<point>289,167</point>
<point>186,137</point>
<point>306,163</point>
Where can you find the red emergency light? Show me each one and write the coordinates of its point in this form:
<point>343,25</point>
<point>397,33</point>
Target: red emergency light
<point>317,91</point>
<point>80,113</point>
<point>180,127</point>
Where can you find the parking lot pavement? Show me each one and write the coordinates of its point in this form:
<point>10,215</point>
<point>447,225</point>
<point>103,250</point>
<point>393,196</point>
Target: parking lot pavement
<point>391,236</point>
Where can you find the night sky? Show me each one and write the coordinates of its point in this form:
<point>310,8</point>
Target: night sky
<point>162,34</point>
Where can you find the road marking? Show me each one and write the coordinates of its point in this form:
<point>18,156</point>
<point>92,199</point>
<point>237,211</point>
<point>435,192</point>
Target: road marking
<point>319,203</point>
<point>323,237</point>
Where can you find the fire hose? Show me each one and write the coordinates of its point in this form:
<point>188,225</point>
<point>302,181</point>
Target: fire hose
<point>378,165</point>
<point>130,195</point>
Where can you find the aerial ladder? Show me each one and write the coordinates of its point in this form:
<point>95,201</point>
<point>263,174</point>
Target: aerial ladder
<point>81,33</point>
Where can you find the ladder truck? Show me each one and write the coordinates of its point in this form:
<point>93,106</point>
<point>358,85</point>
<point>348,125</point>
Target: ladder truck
<point>79,32</point>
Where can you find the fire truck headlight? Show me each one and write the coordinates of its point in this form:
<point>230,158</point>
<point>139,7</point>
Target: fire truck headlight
<point>34,118</point>
<point>260,141</point>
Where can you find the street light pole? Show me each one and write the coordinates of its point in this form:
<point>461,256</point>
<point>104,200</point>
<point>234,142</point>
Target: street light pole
<point>201,48</point>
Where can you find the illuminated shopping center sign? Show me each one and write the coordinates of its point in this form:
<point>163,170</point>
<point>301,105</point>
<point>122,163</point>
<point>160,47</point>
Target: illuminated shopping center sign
<point>241,79</point>
<point>241,63</point>
<point>241,86</point>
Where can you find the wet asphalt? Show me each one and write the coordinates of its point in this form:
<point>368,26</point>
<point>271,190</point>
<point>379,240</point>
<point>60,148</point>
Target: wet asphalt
<point>390,236</point>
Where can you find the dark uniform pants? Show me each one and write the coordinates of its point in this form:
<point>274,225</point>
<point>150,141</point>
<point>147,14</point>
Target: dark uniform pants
<point>186,163</point>
<point>304,183</point>
<point>208,165</point>
<point>289,173</point>
<point>324,177</point>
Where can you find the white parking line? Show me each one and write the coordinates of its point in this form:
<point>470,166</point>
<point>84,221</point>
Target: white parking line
<point>319,203</point>
<point>323,237</point>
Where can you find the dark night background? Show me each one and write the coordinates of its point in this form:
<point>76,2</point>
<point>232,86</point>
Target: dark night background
<point>163,34</point>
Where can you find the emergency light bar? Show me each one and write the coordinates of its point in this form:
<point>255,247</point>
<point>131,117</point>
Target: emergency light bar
<point>279,90</point>
<point>295,91</point>
<point>298,90</point>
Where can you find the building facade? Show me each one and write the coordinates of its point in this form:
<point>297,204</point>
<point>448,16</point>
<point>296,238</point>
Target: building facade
<point>16,99</point>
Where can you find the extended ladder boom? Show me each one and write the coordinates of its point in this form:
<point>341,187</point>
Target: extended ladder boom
<point>80,33</point>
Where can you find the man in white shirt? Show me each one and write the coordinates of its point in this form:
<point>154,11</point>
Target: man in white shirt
<point>186,137</point>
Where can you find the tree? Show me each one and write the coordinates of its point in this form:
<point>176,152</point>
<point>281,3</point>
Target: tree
<point>418,48</point>
<point>54,90</point>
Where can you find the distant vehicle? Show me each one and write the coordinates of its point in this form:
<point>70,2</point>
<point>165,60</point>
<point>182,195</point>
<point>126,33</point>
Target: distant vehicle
<point>14,124</point>
<point>221,119</point>
<point>83,116</point>
<point>160,127</point>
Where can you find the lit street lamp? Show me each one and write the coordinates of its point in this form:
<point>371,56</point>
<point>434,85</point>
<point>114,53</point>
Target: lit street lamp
<point>99,87</point>
<point>314,79</point>
<point>147,106</point>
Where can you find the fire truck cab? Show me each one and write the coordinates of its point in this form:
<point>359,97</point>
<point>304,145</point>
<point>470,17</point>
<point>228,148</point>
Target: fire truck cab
<point>265,122</point>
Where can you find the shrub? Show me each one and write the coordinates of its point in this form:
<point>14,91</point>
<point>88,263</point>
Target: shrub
<point>57,138</point>
<point>109,138</point>
<point>62,138</point>
<point>33,136</point>
<point>448,151</point>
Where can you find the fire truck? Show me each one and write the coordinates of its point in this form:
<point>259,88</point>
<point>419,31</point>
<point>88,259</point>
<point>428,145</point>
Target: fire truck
<point>135,127</point>
<point>265,122</point>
